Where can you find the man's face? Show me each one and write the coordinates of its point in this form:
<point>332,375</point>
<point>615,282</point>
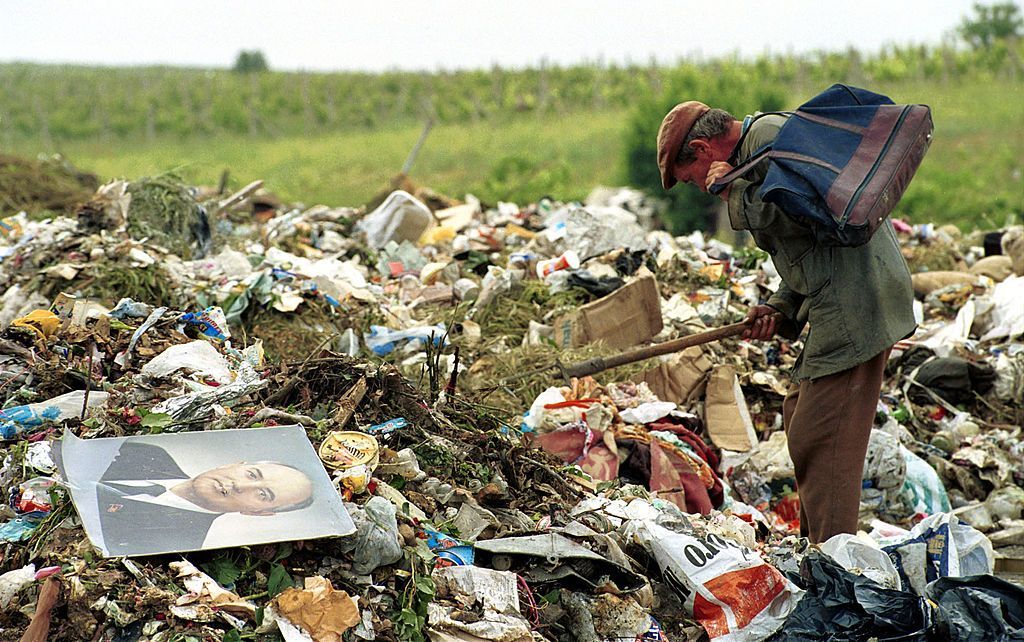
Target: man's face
<point>260,488</point>
<point>694,173</point>
<point>707,152</point>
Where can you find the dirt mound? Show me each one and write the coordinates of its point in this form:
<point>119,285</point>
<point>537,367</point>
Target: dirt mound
<point>35,186</point>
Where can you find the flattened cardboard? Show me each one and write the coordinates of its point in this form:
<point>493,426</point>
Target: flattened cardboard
<point>627,317</point>
<point>725,412</point>
<point>680,378</point>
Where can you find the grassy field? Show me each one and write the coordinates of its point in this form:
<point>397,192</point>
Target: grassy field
<point>971,176</point>
<point>349,168</point>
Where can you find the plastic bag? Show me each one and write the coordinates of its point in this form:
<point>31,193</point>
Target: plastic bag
<point>862,557</point>
<point>922,489</point>
<point>727,587</point>
<point>883,467</point>
<point>648,412</point>
<point>376,541</point>
<point>940,546</point>
<point>852,607</point>
<point>16,420</point>
<point>401,217</point>
<point>382,340</point>
<point>978,608</point>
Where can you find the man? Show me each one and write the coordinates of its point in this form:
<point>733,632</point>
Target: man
<point>148,505</point>
<point>857,303</point>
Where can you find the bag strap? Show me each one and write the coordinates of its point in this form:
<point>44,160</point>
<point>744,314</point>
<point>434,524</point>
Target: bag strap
<point>740,170</point>
<point>736,147</point>
<point>767,152</point>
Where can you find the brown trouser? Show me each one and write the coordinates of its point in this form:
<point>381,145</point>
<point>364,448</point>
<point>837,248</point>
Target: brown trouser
<point>828,423</point>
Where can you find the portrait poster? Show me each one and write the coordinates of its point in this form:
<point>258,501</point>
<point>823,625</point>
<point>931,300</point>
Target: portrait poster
<point>191,491</point>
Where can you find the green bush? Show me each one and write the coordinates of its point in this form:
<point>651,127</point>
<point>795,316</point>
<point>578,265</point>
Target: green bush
<point>737,89</point>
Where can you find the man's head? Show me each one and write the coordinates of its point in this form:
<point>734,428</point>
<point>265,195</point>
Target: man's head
<point>691,137</point>
<point>259,488</point>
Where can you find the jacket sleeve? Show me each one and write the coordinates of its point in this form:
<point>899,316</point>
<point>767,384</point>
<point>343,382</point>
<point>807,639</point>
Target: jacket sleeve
<point>789,303</point>
<point>748,212</point>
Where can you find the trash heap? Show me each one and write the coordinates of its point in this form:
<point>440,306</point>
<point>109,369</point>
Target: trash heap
<point>423,346</point>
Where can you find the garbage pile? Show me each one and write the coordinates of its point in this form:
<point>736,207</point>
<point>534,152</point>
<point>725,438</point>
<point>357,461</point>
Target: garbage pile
<point>228,418</point>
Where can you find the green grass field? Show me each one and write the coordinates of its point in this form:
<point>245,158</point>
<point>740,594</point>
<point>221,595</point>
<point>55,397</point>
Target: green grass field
<point>349,168</point>
<point>971,176</point>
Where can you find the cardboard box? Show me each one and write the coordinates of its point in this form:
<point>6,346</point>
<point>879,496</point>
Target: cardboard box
<point>679,378</point>
<point>627,317</point>
<point>725,412</point>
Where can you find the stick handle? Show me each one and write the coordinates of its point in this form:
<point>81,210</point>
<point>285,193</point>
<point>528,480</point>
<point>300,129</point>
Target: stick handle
<point>600,364</point>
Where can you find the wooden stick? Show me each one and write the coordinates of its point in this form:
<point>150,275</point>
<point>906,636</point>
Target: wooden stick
<point>411,158</point>
<point>238,196</point>
<point>600,364</point>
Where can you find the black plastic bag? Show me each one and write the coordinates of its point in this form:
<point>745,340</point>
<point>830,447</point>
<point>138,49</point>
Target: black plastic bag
<point>978,608</point>
<point>627,263</point>
<point>597,286</point>
<point>952,378</point>
<point>839,605</point>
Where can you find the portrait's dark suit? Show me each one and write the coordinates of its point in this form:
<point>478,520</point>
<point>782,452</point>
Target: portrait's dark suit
<point>133,527</point>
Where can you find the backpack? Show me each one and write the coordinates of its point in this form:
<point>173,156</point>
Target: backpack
<point>841,161</point>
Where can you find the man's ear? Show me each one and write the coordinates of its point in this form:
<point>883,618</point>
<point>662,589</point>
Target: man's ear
<point>700,147</point>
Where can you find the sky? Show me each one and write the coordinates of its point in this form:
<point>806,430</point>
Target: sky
<point>377,35</point>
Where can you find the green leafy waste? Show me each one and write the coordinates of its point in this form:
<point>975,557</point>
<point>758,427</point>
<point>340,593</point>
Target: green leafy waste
<point>164,210</point>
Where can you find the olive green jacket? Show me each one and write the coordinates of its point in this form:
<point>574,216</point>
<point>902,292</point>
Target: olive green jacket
<point>857,301</point>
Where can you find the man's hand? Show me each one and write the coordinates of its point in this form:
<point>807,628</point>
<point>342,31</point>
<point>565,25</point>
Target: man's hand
<point>762,320</point>
<point>717,170</point>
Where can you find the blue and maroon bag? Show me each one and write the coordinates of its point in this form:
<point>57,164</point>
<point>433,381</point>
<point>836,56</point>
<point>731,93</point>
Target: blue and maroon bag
<point>842,161</point>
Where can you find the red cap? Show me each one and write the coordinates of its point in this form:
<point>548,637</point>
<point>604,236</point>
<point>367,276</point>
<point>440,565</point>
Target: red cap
<point>674,129</point>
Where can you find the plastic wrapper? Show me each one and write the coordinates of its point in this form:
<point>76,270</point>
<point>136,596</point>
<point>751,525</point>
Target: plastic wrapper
<point>449,551</point>
<point>40,457</point>
<point>211,322</point>
<point>35,495</point>
<point>18,529</point>
<point>200,404</point>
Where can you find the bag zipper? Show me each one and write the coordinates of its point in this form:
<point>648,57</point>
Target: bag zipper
<point>874,168</point>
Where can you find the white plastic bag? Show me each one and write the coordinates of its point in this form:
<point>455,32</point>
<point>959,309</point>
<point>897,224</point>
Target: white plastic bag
<point>401,217</point>
<point>922,488</point>
<point>648,412</point>
<point>862,556</point>
<point>940,546</point>
<point>734,594</point>
<point>18,419</point>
